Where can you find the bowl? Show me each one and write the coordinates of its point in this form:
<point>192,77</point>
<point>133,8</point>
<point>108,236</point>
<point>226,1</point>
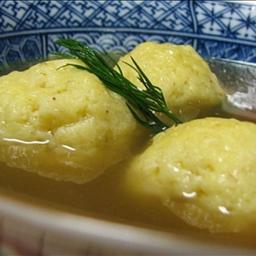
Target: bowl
<point>29,30</point>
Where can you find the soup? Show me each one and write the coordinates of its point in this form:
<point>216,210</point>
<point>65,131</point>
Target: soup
<point>105,196</point>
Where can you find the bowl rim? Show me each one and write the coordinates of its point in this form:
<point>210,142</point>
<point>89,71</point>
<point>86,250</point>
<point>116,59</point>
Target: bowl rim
<point>107,234</point>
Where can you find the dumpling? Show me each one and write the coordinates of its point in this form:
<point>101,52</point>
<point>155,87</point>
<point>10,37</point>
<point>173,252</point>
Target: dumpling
<point>190,88</point>
<point>61,122</point>
<point>204,171</point>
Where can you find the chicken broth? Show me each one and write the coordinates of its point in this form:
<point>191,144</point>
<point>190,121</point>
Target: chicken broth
<point>105,196</point>
<point>105,199</point>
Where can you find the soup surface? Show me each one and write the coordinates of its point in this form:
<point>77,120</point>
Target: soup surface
<point>105,198</point>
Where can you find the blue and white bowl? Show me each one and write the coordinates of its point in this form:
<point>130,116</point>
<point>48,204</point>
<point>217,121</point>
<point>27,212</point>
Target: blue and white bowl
<point>28,31</point>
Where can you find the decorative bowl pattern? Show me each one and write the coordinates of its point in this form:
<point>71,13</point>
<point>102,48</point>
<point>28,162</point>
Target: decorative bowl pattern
<point>28,31</point>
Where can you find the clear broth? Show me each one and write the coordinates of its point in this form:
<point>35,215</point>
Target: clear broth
<point>104,198</point>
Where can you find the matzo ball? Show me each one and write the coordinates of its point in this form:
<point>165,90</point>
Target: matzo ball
<point>61,122</point>
<point>204,171</point>
<point>189,86</point>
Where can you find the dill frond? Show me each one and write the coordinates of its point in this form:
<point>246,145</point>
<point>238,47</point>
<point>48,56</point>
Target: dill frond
<point>144,104</point>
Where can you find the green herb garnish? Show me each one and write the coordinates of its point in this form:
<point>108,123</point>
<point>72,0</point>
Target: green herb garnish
<point>143,103</point>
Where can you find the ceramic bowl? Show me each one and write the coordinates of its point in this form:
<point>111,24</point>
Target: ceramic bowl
<point>28,31</point>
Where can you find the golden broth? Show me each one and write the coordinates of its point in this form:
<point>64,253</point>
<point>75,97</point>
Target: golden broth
<point>105,199</point>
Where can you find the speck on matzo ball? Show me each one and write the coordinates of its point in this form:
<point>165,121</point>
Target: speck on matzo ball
<point>204,171</point>
<point>185,78</point>
<point>63,123</point>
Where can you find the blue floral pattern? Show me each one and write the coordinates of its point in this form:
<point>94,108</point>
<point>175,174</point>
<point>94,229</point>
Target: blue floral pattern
<point>29,29</point>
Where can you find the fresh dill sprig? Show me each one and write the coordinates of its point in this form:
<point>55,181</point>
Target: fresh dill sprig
<point>143,103</point>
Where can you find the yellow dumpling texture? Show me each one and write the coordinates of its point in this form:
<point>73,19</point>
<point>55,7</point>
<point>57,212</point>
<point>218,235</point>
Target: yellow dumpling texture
<point>61,122</point>
<point>188,84</point>
<point>204,171</point>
